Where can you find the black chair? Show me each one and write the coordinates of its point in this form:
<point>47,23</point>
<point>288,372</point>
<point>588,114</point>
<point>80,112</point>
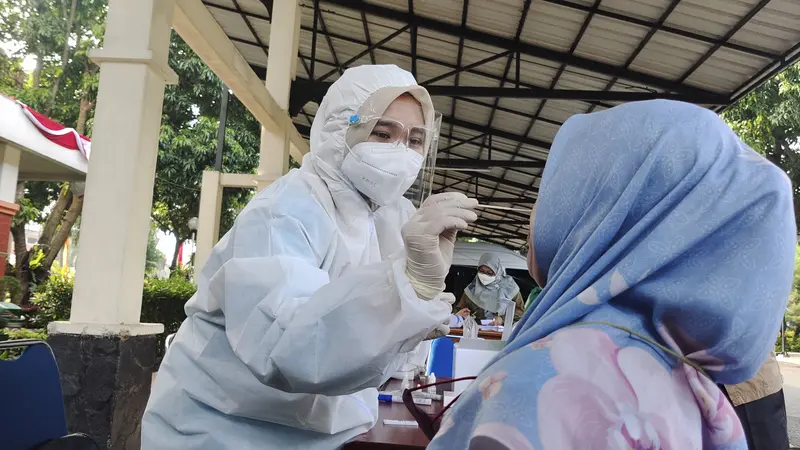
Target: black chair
<point>33,411</point>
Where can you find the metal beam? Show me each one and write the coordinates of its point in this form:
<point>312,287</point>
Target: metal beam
<point>485,164</point>
<point>573,94</point>
<point>522,47</point>
<point>789,58</point>
<point>459,57</point>
<point>467,67</point>
<point>509,110</point>
<point>364,52</point>
<point>250,27</point>
<point>642,43</point>
<point>742,22</point>
<point>510,183</point>
<point>330,43</point>
<point>315,90</point>
<point>514,222</point>
<point>314,39</point>
<point>318,88</point>
<point>554,81</point>
<point>459,143</point>
<point>367,37</point>
<point>260,70</point>
<point>438,188</point>
<point>495,132</point>
<point>304,91</point>
<point>493,238</point>
<point>413,41</point>
<point>513,200</point>
<point>665,28</point>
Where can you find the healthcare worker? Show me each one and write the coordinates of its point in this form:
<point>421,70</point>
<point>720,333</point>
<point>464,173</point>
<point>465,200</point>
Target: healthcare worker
<point>490,293</point>
<point>313,297</point>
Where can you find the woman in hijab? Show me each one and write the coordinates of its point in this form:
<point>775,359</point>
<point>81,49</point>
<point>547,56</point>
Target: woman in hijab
<point>665,247</point>
<point>490,293</point>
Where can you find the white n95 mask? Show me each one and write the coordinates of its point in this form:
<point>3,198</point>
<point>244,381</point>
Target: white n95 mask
<point>486,279</point>
<point>382,171</point>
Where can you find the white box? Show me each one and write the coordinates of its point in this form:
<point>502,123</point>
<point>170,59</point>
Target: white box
<point>471,357</point>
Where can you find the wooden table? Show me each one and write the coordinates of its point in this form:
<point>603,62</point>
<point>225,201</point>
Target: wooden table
<point>383,437</point>
<point>491,335</point>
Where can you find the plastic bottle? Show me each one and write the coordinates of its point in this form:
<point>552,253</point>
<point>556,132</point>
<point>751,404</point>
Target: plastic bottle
<point>431,380</point>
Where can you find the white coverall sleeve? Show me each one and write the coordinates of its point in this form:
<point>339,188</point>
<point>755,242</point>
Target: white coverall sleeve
<point>299,331</point>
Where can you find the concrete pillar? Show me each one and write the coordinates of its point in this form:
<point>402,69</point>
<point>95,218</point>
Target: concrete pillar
<point>9,171</point>
<point>105,355</point>
<point>208,219</point>
<point>284,34</point>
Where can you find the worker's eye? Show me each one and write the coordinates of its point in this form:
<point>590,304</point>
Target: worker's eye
<point>415,143</point>
<point>383,136</point>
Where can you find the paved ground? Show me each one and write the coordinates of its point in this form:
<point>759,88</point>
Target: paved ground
<point>791,389</point>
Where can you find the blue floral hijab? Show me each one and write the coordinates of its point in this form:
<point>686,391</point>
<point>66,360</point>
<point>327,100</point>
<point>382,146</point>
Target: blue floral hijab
<point>668,248</point>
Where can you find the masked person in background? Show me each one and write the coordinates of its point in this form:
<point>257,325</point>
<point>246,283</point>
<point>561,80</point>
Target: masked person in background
<point>489,294</point>
<point>665,247</point>
<point>313,297</point>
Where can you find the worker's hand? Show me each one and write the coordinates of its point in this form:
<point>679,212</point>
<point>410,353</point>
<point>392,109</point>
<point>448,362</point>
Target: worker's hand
<point>447,297</point>
<point>463,313</point>
<point>439,331</point>
<point>430,237</point>
<point>497,321</point>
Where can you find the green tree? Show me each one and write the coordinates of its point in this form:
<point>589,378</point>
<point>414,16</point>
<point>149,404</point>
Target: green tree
<point>58,34</point>
<point>187,146</point>
<point>154,258</point>
<point>768,120</point>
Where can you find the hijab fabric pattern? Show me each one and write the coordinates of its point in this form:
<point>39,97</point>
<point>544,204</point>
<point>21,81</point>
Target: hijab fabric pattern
<point>654,217</point>
<point>503,288</point>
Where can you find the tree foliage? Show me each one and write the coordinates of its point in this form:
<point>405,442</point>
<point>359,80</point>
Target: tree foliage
<point>58,34</point>
<point>188,141</point>
<point>768,120</point>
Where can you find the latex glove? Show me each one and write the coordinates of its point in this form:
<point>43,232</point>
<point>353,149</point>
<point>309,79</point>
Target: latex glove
<point>439,331</point>
<point>430,237</point>
<point>448,297</point>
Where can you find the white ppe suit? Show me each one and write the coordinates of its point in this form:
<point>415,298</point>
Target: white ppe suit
<point>301,311</point>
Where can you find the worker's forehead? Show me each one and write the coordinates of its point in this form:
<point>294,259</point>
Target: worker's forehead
<point>407,110</point>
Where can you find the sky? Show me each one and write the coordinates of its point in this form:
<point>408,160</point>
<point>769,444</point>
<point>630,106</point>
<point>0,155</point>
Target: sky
<point>11,47</point>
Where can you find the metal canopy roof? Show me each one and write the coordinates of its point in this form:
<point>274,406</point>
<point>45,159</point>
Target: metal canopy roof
<point>507,73</point>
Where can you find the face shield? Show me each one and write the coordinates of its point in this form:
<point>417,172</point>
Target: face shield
<point>392,144</point>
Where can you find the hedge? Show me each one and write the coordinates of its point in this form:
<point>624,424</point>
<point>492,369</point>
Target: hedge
<point>14,334</point>
<point>162,302</point>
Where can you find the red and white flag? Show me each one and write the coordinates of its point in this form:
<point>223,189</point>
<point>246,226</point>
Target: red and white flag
<point>57,133</point>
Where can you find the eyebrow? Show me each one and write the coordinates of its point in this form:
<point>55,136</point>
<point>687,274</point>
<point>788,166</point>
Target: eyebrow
<point>384,123</point>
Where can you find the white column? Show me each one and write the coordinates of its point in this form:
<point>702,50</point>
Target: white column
<point>9,172</point>
<point>119,186</point>
<point>208,219</point>
<point>281,66</point>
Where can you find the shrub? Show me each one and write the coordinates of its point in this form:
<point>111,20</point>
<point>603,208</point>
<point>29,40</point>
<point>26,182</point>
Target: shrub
<point>163,300</point>
<point>10,287</point>
<point>53,299</point>
<point>15,334</point>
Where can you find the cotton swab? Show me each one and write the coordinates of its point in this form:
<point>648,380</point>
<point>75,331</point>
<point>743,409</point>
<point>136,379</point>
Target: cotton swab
<point>505,208</point>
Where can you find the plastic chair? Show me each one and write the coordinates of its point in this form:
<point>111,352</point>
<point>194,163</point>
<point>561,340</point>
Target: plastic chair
<point>441,357</point>
<point>33,405</point>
